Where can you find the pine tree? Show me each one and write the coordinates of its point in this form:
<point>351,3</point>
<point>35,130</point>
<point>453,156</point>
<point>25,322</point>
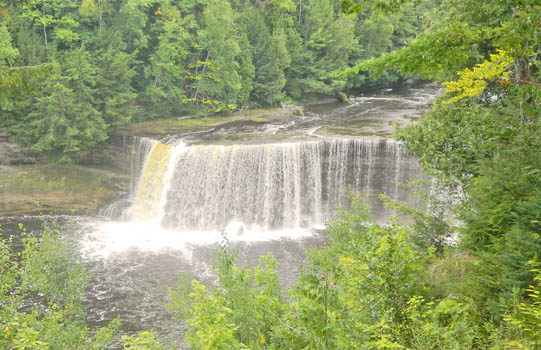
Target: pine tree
<point>374,31</point>
<point>114,95</point>
<point>270,58</point>
<point>132,23</point>
<point>64,123</point>
<point>246,69</point>
<point>218,78</point>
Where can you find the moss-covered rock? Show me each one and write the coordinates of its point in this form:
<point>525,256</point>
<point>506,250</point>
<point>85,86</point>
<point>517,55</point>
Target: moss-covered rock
<point>12,153</point>
<point>183,125</point>
<point>58,189</point>
<point>343,97</point>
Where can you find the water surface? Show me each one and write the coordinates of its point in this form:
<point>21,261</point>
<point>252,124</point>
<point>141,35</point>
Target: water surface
<point>266,187</point>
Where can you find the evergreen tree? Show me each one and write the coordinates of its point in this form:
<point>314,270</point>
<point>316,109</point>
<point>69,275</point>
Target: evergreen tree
<point>28,42</point>
<point>7,52</point>
<point>167,58</point>
<point>16,82</point>
<point>246,69</point>
<point>168,69</point>
<point>270,58</point>
<point>132,23</point>
<point>277,13</point>
<point>64,123</point>
<point>114,96</point>
<point>376,34</point>
<point>327,44</point>
<point>218,81</point>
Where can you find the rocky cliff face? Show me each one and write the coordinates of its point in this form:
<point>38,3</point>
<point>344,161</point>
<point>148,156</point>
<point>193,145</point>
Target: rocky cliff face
<point>28,185</point>
<point>58,189</point>
<point>116,152</point>
<point>12,153</point>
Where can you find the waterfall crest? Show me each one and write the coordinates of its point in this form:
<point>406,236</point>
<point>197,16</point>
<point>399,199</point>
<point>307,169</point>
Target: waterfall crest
<point>265,187</point>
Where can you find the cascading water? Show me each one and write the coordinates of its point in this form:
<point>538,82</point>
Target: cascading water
<point>265,187</point>
<point>267,197</point>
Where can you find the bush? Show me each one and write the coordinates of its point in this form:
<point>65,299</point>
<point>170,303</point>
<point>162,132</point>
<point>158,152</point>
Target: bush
<point>353,293</point>
<point>41,296</point>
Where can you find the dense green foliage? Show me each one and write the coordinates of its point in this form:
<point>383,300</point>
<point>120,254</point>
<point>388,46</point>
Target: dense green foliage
<point>42,290</point>
<point>371,287</point>
<point>482,138</point>
<point>400,286</point>
<point>98,64</point>
<point>404,286</point>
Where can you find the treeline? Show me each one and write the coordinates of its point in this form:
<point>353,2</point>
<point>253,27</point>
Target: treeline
<point>112,61</point>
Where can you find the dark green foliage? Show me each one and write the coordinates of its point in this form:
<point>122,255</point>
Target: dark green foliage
<point>430,226</point>
<point>114,97</point>
<point>14,80</point>
<point>450,140</point>
<point>486,144</point>
<point>270,58</point>
<point>246,70</point>
<point>502,218</point>
<point>327,43</point>
<point>167,73</point>
<point>63,121</point>
<point>219,81</point>
<point>505,195</point>
<point>389,287</point>
<point>162,58</point>
<point>373,287</point>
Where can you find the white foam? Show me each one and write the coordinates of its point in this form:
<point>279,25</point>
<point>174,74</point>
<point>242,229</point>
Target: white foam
<point>115,238</point>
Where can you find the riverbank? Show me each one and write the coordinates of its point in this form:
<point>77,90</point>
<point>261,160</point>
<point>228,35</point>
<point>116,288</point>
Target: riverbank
<point>28,184</point>
<point>31,185</point>
<point>193,124</point>
<point>58,189</point>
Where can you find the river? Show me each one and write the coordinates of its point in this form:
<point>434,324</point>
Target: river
<point>264,187</point>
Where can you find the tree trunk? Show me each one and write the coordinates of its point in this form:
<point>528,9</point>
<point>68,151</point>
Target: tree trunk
<point>45,35</point>
<point>202,72</point>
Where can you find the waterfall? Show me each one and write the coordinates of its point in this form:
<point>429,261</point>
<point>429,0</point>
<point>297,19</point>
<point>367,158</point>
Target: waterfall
<point>139,151</point>
<point>266,186</point>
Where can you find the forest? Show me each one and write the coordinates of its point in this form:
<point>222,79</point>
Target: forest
<point>461,273</point>
<point>111,62</point>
